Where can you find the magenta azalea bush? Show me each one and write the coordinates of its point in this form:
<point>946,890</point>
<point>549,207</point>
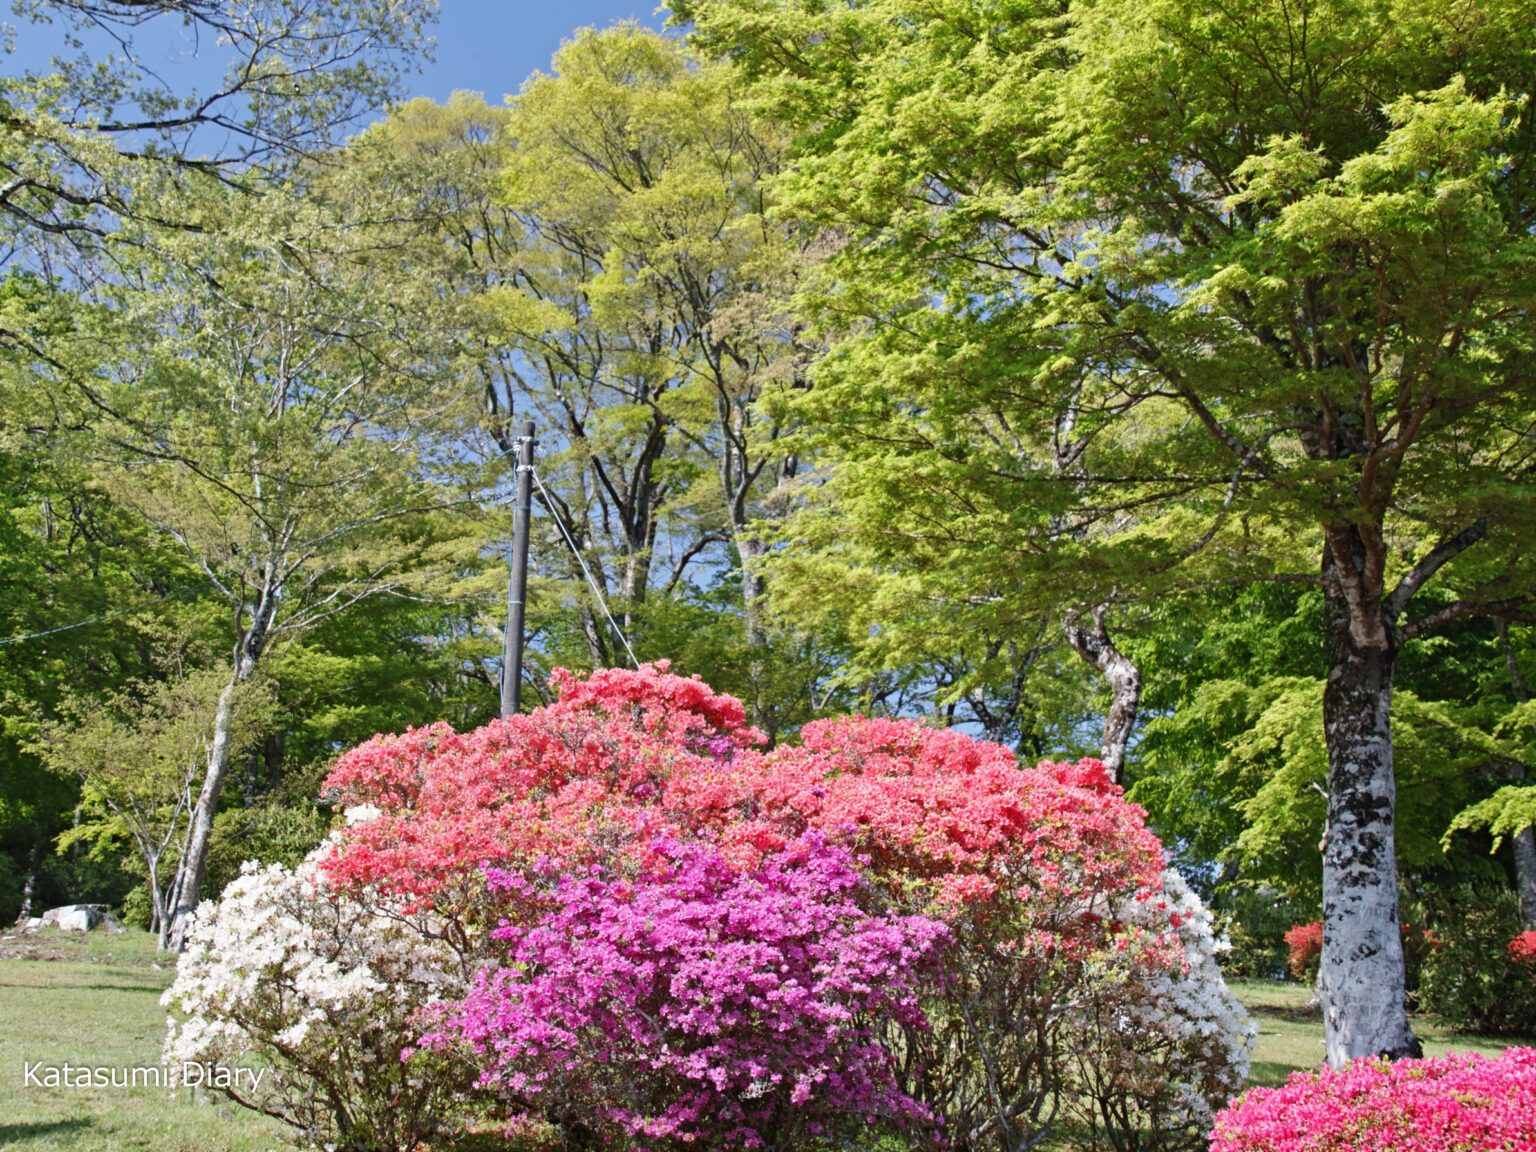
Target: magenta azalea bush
<point>699,1003</point>
<point>1459,1103</point>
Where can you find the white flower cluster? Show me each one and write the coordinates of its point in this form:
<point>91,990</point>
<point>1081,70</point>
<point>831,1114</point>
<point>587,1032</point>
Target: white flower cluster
<point>1170,1046</point>
<point>321,985</point>
<point>1195,1009</point>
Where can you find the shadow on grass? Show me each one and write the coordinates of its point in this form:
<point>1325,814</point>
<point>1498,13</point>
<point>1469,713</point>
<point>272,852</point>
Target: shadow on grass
<point>1300,1015</point>
<point>155,989</point>
<point>15,1133</point>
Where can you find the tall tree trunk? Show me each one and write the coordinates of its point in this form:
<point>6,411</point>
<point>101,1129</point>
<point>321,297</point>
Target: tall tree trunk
<point>1094,645</point>
<point>193,866</point>
<point>1361,978</point>
<point>1523,841</point>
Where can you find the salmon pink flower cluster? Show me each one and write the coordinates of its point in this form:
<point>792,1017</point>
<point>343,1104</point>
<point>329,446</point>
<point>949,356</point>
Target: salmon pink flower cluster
<point>675,937</point>
<point>1468,1103</point>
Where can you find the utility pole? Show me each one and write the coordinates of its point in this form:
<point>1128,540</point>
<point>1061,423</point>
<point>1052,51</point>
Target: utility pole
<point>517,578</point>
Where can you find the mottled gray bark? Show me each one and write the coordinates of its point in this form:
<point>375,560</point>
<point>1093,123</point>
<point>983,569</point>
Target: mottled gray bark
<point>1362,978</point>
<point>1093,644</point>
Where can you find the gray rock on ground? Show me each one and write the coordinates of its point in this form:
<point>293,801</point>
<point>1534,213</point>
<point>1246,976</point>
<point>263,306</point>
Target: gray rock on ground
<point>79,918</point>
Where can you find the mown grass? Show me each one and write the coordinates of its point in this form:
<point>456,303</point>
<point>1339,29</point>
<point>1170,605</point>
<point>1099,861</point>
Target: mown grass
<point>95,1000</point>
<point>1291,1033</point>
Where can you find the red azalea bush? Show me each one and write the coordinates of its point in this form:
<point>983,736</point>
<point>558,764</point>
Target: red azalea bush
<point>1522,949</point>
<point>1460,1103</point>
<point>1059,950</point>
<point>1306,944</point>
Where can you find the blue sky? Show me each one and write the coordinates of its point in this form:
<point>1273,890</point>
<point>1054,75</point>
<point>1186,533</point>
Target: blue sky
<point>489,46</point>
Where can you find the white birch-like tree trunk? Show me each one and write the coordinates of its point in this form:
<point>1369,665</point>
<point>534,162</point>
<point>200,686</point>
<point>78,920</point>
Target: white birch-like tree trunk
<point>192,869</point>
<point>1094,644</point>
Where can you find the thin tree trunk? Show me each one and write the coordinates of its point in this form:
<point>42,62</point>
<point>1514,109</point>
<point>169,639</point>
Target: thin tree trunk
<point>1523,841</point>
<point>1094,645</point>
<point>1361,978</point>
<point>28,885</point>
<point>193,865</point>
<point>753,592</point>
<point>156,901</point>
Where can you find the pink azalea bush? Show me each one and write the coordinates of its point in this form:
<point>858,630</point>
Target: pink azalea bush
<point>698,1003</point>
<point>1458,1103</point>
<point>666,936</point>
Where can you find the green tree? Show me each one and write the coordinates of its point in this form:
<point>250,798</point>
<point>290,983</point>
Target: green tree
<point>621,285</point>
<point>1271,267</point>
<point>269,405</point>
<point>83,142</point>
<point>648,303</point>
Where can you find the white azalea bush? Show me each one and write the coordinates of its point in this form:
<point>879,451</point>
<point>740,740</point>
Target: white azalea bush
<point>321,988</point>
<point>1161,1051</point>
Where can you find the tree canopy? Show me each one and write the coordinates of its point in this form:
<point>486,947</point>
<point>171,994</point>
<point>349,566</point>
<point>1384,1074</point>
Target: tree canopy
<point>1146,297</point>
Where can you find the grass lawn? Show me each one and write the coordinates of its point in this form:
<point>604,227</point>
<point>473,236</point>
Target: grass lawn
<point>94,1001</point>
<point>1291,1035</point>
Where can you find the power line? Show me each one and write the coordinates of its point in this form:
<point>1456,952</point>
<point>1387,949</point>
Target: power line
<point>580,559</point>
<point>82,623</point>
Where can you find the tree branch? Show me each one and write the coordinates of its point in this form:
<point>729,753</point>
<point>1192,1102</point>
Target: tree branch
<point>1514,609</point>
<point>1437,557</point>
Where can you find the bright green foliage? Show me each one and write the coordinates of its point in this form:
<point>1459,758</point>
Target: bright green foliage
<point>1504,813</point>
<point>1122,215</point>
<point>1147,296</point>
